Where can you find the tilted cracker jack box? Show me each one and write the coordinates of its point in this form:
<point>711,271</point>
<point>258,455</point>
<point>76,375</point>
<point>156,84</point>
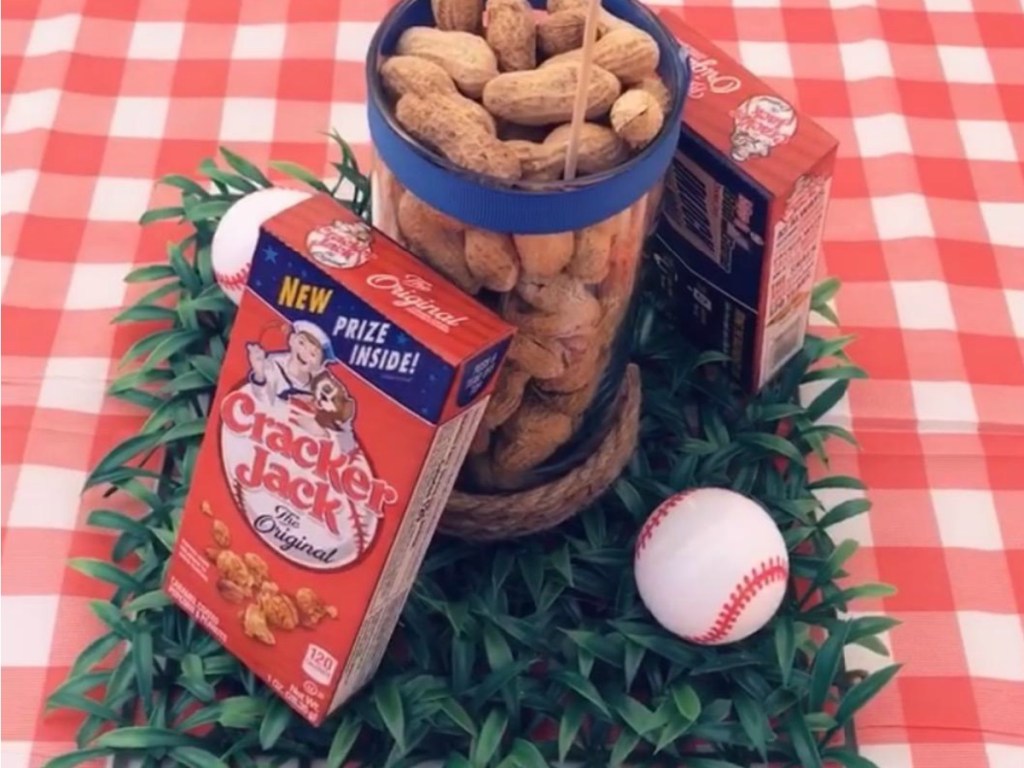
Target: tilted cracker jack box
<point>744,212</point>
<point>351,388</point>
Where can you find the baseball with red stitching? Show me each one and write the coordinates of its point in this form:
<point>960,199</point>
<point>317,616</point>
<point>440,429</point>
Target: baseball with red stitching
<point>237,235</point>
<point>711,566</point>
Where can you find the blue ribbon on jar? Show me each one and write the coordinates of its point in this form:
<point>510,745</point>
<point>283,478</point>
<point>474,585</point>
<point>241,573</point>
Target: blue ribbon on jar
<point>544,207</point>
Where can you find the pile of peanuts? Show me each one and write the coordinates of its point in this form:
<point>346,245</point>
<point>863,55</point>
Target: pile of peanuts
<point>244,579</point>
<point>492,89</point>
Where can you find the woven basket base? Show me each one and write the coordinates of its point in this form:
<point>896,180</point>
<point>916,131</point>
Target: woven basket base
<point>487,517</point>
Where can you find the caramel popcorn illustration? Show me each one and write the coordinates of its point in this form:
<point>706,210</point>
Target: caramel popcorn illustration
<point>255,625</point>
<point>205,508</point>
<point>221,534</point>
<point>230,591</point>
<point>257,567</point>
<point>278,608</point>
<point>311,608</point>
<point>232,568</point>
<point>212,553</point>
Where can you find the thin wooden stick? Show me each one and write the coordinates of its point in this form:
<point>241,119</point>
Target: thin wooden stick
<point>579,107</point>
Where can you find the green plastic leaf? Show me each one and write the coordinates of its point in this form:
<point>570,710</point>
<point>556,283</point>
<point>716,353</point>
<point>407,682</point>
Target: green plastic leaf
<point>77,757</point>
<point>827,399</point>
<point>582,686</point>
<point>458,715</point>
<point>785,646</point>
<point>803,742</point>
<point>298,172</point>
<point>240,712</point>
<point>194,757</point>
<point>274,723</point>
<point>753,722</point>
<point>524,754</point>
<point>625,743</point>
<point>844,511</point>
<point>244,167</point>
<point>343,741</point>
<point>633,656</point>
<point>95,652</point>
<point>820,721</point>
<point>849,759</point>
<point>120,454</point>
<point>388,702</point>
<point>161,214</point>
<point>142,653</point>
<point>687,702</point>
<point>485,746</point>
<point>143,737</point>
<point>836,481</point>
<point>835,372</point>
<point>149,273</point>
<point>104,571</point>
<point>568,727</point>
<point>772,444</point>
<point>827,662</point>
<point>863,692</point>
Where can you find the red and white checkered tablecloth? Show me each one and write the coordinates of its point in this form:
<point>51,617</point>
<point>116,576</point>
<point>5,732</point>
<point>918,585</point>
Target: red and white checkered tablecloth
<point>102,97</point>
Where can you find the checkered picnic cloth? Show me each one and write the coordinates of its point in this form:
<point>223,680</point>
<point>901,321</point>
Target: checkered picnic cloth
<point>100,98</point>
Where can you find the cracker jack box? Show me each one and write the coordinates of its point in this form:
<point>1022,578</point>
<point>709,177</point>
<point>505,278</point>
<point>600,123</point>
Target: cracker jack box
<point>352,386</point>
<point>744,212</point>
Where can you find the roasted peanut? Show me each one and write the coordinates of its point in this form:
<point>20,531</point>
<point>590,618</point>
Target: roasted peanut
<point>232,568</point>
<point>540,162</point>
<point>508,394</point>
<point>655,86</point>
<point>463,15</point>
<point>205,508</point>
<point>312,610</point>
<point>454,131</point>
<point>466,57</point>
<point>230,591</point>
<point>530,437</point>
<point>583,319</point>
<point>600,148</point>
<point>221,534</point>
<point>540,358</point>
<point>278,608</point>
<point>438,246</point>
<point>628,53</point>
<point>591,259</point>
<point>576,375</point>
<point>254,623</point>
<point>492,259</point>
<point>543,96</point>
<point>637,117</point>
<point>421,77</point>
<point>512,33</point>
<point>561,31</point>
<point>559,293</point>
<point>257,567</point>
<point>544,255</point>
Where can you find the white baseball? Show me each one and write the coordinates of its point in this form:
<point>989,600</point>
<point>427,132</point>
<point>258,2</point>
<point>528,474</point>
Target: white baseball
<point>236,236</point>
<point>711,566</point>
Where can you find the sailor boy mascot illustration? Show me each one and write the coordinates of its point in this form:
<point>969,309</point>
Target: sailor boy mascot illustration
<point>290,451</point>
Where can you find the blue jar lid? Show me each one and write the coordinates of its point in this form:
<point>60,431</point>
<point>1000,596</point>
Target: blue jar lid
<point>544,207</point>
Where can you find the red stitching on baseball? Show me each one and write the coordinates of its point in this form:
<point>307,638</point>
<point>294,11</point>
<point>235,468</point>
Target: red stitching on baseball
<point>659,514</point>
<point>767,572</point>
<point>236,280</point>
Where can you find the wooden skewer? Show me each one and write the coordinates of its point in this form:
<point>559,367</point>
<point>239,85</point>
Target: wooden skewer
<point>579,107</point>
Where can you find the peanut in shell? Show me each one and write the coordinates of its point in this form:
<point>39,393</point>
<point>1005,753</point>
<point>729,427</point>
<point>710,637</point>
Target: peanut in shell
<point>544,255</point>
<point>512,33</point>
<point>466,57</point>
<point>544,96</point>
<point>492,259</point>
<point>600,148</point>
<point>462,15</point>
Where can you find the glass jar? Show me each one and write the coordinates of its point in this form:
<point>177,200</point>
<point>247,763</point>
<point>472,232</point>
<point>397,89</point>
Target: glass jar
<point>557,259</point>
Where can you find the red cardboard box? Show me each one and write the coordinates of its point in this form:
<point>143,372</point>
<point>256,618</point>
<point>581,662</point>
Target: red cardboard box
<point>745,205</point>
<point>352,386</point>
